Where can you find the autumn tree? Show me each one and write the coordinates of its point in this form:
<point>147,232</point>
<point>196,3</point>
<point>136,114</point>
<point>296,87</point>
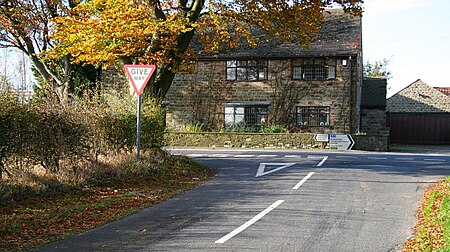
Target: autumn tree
<point>160,31</point>
<point>25,25</point>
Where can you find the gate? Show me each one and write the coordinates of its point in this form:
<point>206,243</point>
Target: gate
<point>419,128</point>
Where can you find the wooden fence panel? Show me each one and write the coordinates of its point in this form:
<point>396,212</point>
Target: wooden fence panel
<point>419,128</point>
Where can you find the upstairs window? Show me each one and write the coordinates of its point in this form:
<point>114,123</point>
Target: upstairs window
<point>313,69</point>
<point>313,116</point>
<point>247,70</point>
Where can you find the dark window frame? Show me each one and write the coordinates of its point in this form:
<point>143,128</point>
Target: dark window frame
<point>313,69</point>
<point>250,116</point>
<point>309,118</point>
<point>247,70</point>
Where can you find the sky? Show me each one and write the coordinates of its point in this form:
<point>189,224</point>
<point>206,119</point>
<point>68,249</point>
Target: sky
<point>414,35</point>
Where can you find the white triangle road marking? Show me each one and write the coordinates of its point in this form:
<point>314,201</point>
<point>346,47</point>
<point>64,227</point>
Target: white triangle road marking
<point>262,166</point>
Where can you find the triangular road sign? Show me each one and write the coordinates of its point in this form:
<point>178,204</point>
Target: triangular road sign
<point>139,75</point>
<point>262,167</point>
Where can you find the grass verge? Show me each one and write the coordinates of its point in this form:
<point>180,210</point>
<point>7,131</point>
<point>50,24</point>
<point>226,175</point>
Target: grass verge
<point>108,193</point>
<point>432,231</point>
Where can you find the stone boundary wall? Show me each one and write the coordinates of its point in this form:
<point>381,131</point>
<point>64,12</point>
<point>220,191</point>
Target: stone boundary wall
<point>256,140</point>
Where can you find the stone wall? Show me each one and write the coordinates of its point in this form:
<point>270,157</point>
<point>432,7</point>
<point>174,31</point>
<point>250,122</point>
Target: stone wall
<point>378,142</point>
<point>200,96</point>
<point>373,120</point>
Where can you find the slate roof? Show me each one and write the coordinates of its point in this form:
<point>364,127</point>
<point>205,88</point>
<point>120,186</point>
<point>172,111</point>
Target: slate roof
<point>340,35</point>
<point>418,97</point>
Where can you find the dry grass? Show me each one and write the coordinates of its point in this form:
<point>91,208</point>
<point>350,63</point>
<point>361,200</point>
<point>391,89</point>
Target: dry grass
<point>38,207</point>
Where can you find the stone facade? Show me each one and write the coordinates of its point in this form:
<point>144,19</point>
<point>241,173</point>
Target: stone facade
<point>202,95</point>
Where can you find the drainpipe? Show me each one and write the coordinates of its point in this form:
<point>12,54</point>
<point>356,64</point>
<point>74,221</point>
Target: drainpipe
<point>350,94</point>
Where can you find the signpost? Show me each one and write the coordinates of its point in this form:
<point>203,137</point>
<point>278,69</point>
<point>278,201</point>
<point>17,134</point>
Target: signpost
<point>321,137</point>
<point>341,142</point>
<point>139,75</point>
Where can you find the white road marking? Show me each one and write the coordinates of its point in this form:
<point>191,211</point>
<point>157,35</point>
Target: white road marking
<point>218,155</point>
<point>404,158</point>
<point>292,156</point>
<point>267,155</point>
<point>323,161</point>
<point>250,222</point>
<point>302,181</point>
<point>262,167</point>
<point>243,156</point>
<point>196,155</point>
<point>377,158</point>
<point>433,159</point>
<point>315,157</point>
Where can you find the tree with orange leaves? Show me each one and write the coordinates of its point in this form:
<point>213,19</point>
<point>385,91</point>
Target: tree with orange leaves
<point>25,25</point>
<point>104,32</point>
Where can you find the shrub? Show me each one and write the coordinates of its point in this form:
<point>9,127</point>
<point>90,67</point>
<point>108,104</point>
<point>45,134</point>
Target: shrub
<point>46,134</point>
<point>195,127</point>
<point>273,129</point>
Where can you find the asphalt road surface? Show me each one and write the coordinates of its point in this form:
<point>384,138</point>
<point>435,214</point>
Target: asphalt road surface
<point>280,201</point>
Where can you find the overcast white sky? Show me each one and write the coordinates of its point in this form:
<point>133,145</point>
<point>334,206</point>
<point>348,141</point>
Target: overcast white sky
<point>414,35</point>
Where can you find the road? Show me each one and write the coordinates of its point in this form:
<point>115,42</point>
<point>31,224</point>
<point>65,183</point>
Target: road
<point>280,201</point>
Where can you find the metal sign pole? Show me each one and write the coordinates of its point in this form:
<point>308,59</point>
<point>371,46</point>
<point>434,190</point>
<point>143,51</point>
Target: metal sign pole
<point>138,123</point>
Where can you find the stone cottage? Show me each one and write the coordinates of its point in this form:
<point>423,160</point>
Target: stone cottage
<point>314,90</point>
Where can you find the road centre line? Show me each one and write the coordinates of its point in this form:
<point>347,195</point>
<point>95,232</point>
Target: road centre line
<point>302,181</point>
<point>377,158</point>
<point>292,156</point>
<point>250,222</point>
<point>405,158</point>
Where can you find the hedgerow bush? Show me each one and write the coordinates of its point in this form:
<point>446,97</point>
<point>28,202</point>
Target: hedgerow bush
<point>45,134</point>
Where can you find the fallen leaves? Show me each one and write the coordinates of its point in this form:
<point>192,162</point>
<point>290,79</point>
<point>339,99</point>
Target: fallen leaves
<point>433,219</point>
<point>29,224</point>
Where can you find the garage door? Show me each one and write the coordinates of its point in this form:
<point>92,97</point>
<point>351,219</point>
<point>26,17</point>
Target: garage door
<point>419,128</point>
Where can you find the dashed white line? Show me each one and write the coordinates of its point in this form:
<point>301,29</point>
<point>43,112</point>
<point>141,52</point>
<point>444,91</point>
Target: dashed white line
<point>292,156</point>
<point>302,181</point>
<point>403,158</point>
<point>243,156</point>
<point>267,155</point>
<point>250,222</point>
<point>323,161</point>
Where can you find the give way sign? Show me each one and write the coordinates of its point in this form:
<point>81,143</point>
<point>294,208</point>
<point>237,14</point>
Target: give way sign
<point>139,75</point>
